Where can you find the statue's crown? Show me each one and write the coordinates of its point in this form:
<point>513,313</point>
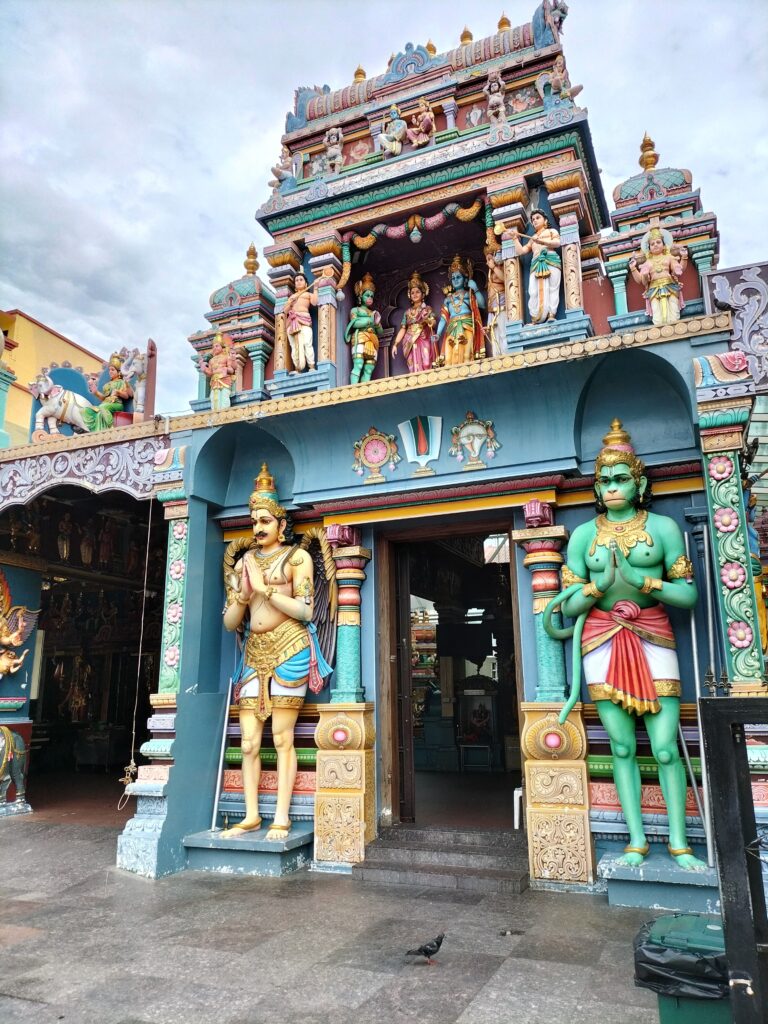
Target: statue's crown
<point>264,494</point>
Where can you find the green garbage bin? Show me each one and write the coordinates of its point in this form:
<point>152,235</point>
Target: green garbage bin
<point>681,957</point>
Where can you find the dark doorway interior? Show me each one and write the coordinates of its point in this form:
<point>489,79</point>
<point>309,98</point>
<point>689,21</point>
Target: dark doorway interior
<point>88,679</point>
<point>458,723</point>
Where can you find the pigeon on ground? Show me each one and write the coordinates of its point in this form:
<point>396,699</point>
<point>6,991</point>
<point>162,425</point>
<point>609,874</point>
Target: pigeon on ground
<point>429,949</point>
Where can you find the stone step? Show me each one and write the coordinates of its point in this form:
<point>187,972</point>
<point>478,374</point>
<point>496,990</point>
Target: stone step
<point>446,855</point>
<point>251,853</point>
<point>458,837</point>
<point>467,879</point>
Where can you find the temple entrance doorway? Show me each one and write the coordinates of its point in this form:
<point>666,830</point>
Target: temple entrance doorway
<point>458,734</point>
<point>94,659</point>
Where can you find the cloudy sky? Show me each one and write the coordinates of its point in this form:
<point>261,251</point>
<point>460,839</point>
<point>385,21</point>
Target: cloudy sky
<point>137,135</point>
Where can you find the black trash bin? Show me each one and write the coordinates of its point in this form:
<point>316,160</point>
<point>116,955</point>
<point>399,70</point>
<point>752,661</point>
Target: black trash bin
<point>681,957</point>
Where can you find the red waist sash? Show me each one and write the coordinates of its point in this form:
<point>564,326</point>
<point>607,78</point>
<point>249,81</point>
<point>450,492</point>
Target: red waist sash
<point>627,625</point>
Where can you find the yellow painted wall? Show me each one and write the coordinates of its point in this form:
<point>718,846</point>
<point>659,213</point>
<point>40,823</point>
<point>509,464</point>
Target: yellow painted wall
<point>37,346</point>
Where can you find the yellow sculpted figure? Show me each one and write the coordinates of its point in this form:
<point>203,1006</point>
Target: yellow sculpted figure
<point>271,599</point>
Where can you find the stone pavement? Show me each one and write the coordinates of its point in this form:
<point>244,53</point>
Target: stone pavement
<point>84,943</point>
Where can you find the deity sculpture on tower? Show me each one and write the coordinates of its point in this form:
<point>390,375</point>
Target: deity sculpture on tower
<point>394,132</point>
<point>660,270</point>
<point>271,601</point>
<point>363,332</point>
<point>416,332</point>
<point>221,368</point>
<point>460,327</point>
<point>334,154</point>
<point>423,125</point>
<point>622,568</point>
<point>494,91</point>
<point>300,323</point>
<point>545,271</point>
<point>114,393</point>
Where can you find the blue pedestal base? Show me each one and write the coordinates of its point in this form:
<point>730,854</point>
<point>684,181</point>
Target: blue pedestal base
<point>659,883</point>
<point>283,383</point>
<point>575,326</point>
<point>252,853</point>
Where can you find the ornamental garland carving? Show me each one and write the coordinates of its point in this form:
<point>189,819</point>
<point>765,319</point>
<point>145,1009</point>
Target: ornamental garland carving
<point>173,610</point>
<point>125,466</point>
<point>558,846</point>
<point>729,535</point>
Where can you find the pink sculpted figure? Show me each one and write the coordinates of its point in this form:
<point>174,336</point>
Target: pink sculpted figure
<point>416,329</point>
<point>423,122</point>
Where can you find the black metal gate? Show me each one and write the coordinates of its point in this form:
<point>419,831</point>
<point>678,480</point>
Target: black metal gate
<point>742,850</point>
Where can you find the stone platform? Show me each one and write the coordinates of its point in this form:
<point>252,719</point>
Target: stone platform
<point>252,853</point>
<point>659,882</point>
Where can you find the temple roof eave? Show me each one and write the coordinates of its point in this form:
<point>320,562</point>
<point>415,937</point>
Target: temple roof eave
<point>355,192</point>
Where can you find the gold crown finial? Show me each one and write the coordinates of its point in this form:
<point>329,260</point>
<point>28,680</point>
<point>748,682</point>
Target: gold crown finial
<point>648,155</point>
<point>430,48</point>
<point>616,435</point>
<point>115,361</point>
<point>504,23</point>
<point>360,75</point>
<point>265,494</point>
<point>250,262</point>
<point>466,36</point>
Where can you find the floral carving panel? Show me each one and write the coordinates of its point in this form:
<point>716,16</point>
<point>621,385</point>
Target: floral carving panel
<point>126,466</point>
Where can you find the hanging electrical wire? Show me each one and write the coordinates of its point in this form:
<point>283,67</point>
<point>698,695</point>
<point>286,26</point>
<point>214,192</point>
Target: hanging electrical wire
<point>131,769</point>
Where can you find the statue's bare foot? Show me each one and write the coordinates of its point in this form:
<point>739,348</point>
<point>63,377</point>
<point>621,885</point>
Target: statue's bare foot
<point>686,859</point>
<point>277,832</point>
<point>634,856</point>
<point>246,825</point>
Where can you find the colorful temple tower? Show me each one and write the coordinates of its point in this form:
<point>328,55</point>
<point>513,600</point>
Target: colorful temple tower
<point>399,437</point>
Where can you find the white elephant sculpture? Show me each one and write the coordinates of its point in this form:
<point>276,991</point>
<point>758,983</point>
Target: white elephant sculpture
<point>134,371</point>
<point>57,405</point>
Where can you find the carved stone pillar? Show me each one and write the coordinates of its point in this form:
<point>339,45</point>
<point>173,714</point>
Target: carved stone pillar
<point>617,273</point>
<point>138,847</point>
<point>351,560</point>
<point>568,206</point>
<point>284,262</point>
<point>560,847</point>
<point>345,797</point>
<point>721,429</point>
<point>543,559</point>
<point>508,210</point>
<point>259,353</point>
<point>325,263</point>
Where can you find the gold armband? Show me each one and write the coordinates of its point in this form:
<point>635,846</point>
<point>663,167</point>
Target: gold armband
<point>569,577</point>
<point>650,584</point>
<point>304,589</point>
<point>590,590</point>
<point>268,593</point>
<point>241,600</point>
<point>681,569</point>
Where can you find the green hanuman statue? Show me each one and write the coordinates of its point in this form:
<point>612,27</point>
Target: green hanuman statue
<point>622,568</point>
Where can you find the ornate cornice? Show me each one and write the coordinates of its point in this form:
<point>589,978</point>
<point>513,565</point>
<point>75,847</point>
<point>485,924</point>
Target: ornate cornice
<point>125,466</point>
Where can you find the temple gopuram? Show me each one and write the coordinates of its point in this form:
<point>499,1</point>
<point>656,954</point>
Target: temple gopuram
<point>437,578</point>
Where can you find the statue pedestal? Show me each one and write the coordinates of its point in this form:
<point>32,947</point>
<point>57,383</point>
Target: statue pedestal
<point>284,383</point>
<point>575,326</point>
<point>252,853</point>
<point>660,883</point>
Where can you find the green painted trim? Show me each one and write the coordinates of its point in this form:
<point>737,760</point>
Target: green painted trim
<point>723,418</point>
<point>438,176</point>
<point>601,766</point>
<point>306,756</point>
